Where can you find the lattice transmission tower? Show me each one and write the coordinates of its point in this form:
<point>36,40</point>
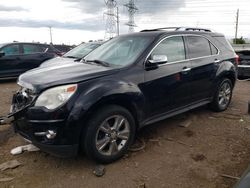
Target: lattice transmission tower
<point>110,28</point>
<point>132,9</point>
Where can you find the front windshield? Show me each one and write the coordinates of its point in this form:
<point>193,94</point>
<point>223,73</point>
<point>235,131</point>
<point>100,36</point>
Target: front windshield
<point>120,51</point>
<point>82,50</point>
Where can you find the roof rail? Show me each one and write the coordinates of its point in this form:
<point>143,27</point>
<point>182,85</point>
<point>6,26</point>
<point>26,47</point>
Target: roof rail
<point>178,29</point>
<point>194,29</point>
<point>162,28</point>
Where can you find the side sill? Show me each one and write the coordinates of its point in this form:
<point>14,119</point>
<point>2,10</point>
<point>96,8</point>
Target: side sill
<point>173,113</point>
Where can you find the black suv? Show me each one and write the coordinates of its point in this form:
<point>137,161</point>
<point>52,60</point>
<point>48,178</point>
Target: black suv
<point>98,104</point>
<point>18,57</point>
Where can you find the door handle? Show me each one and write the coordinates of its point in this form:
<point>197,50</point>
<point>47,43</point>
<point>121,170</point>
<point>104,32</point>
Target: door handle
<point>216,61</point>
<point>185,70</point>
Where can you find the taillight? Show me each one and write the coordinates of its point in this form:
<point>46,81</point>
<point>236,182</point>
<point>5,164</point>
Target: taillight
<point>237,59</point>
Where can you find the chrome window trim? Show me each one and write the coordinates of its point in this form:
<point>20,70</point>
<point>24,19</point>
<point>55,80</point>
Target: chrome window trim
<point>182,35</point>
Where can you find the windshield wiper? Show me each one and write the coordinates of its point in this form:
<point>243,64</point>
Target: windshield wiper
<point>78,59</point>
<point>70,57</point>
<point>99,62</point>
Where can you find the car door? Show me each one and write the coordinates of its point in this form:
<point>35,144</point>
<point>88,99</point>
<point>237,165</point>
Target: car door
<point>32,56</point>
<point>204,60</point>
<point>10,60</point>
<point>166,85</point>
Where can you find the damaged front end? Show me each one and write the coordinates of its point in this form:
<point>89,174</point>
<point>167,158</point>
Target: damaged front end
<point>20,102</point>
<point>47,129</point>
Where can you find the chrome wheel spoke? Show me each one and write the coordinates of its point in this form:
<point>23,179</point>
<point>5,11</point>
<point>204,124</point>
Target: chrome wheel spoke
<point>123,135</point>
<point>220,95</point>
<point>105,128</point>
<point>113,148</point>
<point>118,122</point>
<point>224,87</point>
<point>228,91</point>
<point>221,101</point>
<point>101,144</point>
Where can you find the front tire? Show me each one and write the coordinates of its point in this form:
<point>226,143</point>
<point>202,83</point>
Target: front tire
<point>109,133</point>
<point>223,96</point>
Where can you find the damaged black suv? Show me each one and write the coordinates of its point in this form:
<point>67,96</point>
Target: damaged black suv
<point>98,104</point>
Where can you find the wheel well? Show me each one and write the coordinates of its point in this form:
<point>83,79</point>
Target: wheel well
<point>231,77</point>
<point>120,101</point>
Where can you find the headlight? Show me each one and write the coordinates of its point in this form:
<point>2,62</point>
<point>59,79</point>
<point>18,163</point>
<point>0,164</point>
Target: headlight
<point>55,97</point>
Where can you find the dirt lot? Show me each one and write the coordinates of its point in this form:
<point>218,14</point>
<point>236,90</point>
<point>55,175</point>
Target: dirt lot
<point>194,156</point>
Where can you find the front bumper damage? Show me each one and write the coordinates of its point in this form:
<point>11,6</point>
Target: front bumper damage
<point>44,130</point>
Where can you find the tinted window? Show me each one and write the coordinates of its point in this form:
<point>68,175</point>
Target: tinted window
<point>213,49</point>
<point>30,49</point>
<point>198,46</point>
<point>11,49</point>
<point>172,47</point>
<point>224,42</point>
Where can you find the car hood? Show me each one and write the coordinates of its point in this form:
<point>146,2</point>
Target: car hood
<point>56,61</point>
<point>43,77</point>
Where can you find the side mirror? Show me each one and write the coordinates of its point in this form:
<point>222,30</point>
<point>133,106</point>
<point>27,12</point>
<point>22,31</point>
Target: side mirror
<point>2,54</point>
<point>158,59</point>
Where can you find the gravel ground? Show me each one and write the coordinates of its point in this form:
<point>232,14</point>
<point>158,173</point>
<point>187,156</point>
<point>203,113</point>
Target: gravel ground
<point>181,157</point>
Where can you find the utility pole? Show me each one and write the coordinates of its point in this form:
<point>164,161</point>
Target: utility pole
<point>236,26</point>
<point>117,19</point>
<point>50,32</point>
<point>132,9</point>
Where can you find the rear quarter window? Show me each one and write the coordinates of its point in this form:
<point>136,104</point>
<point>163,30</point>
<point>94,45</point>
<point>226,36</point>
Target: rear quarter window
<point>223,43</point>
<point>198,46</point>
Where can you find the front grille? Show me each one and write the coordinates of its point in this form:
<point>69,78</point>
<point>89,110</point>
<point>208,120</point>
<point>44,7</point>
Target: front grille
<point>22,98</point>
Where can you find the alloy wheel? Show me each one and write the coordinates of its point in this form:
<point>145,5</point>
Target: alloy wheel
<point>225,93</point>
<point>112,135</point>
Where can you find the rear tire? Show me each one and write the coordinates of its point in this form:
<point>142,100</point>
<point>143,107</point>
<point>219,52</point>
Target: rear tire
<point>109,133</point>
<point>223,96</point>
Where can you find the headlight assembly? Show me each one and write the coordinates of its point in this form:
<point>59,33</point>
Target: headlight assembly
<point>55,97</point>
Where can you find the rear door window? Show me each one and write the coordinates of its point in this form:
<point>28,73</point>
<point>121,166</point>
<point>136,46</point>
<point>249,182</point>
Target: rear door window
<point>198,46</point>
<point>172,47</point>
<point>31,49</point>
<point>11,50</point>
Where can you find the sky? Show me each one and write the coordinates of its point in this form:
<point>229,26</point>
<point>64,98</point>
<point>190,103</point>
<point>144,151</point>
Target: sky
<point>76,21</point>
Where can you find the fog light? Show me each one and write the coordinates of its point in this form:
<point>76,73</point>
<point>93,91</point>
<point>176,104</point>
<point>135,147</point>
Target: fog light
<point>51,134</point>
